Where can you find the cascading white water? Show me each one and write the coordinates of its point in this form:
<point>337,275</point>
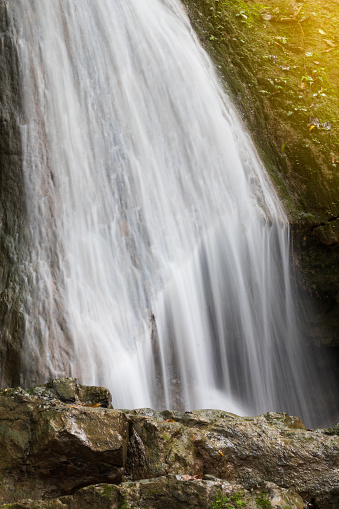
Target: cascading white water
<point>160,263</point>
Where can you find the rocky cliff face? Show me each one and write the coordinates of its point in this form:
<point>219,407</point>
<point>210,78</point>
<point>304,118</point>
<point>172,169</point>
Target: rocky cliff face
<point>58,438</point>
<point>13,246</point>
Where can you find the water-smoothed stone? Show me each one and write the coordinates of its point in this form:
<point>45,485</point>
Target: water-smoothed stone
<point>171,492</point>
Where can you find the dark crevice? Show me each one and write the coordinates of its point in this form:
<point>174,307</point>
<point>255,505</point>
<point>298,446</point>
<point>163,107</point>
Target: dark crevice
<point>324,224</point>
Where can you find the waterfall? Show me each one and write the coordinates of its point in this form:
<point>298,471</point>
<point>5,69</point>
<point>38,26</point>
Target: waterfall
<point>159,259</point>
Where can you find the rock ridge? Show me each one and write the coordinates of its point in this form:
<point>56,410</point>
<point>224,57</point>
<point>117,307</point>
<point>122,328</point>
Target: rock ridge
<point>62,445</point>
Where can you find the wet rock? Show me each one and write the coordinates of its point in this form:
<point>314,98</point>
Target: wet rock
<point>249,451</point>
<point>13,242</point>
<point>69,391</point>
<point>54,440</point>
<point>94,396</point>
<point>171,492</point>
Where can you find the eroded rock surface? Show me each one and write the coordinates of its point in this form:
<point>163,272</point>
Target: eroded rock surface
<point>59,437</point>
<point>248,451</point>
<point>171,492</point>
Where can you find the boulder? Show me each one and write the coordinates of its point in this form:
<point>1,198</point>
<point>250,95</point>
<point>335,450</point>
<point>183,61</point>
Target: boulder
<point>58,438</point>
<point>249,451</point>
<point>68,390</point>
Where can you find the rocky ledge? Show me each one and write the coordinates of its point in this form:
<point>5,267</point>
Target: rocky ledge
<point>63,446</point>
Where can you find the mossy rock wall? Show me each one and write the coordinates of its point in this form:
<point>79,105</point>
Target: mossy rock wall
<point>279,62</point>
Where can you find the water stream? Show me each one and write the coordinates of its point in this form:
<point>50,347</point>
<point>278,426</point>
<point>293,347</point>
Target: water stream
<point>160,252</point>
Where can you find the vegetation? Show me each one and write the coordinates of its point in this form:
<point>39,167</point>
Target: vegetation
<point>262,500</point>
<point>279,59</point>
<point>228,502</point>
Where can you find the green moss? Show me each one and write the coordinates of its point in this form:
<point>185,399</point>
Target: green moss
<point>107,490</point>
<point>331,431</point>
<point>262,500</point>
<point>155,492</point>
<point>282,75</point>
<point>220,502</point>
<point>123,504</point>
<point>233,501</point>
<point>238,499</point>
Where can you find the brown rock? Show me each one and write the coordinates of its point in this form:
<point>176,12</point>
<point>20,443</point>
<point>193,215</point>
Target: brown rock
<point>171,492</point>
<point>243,450</point>
<point>50,448</point>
